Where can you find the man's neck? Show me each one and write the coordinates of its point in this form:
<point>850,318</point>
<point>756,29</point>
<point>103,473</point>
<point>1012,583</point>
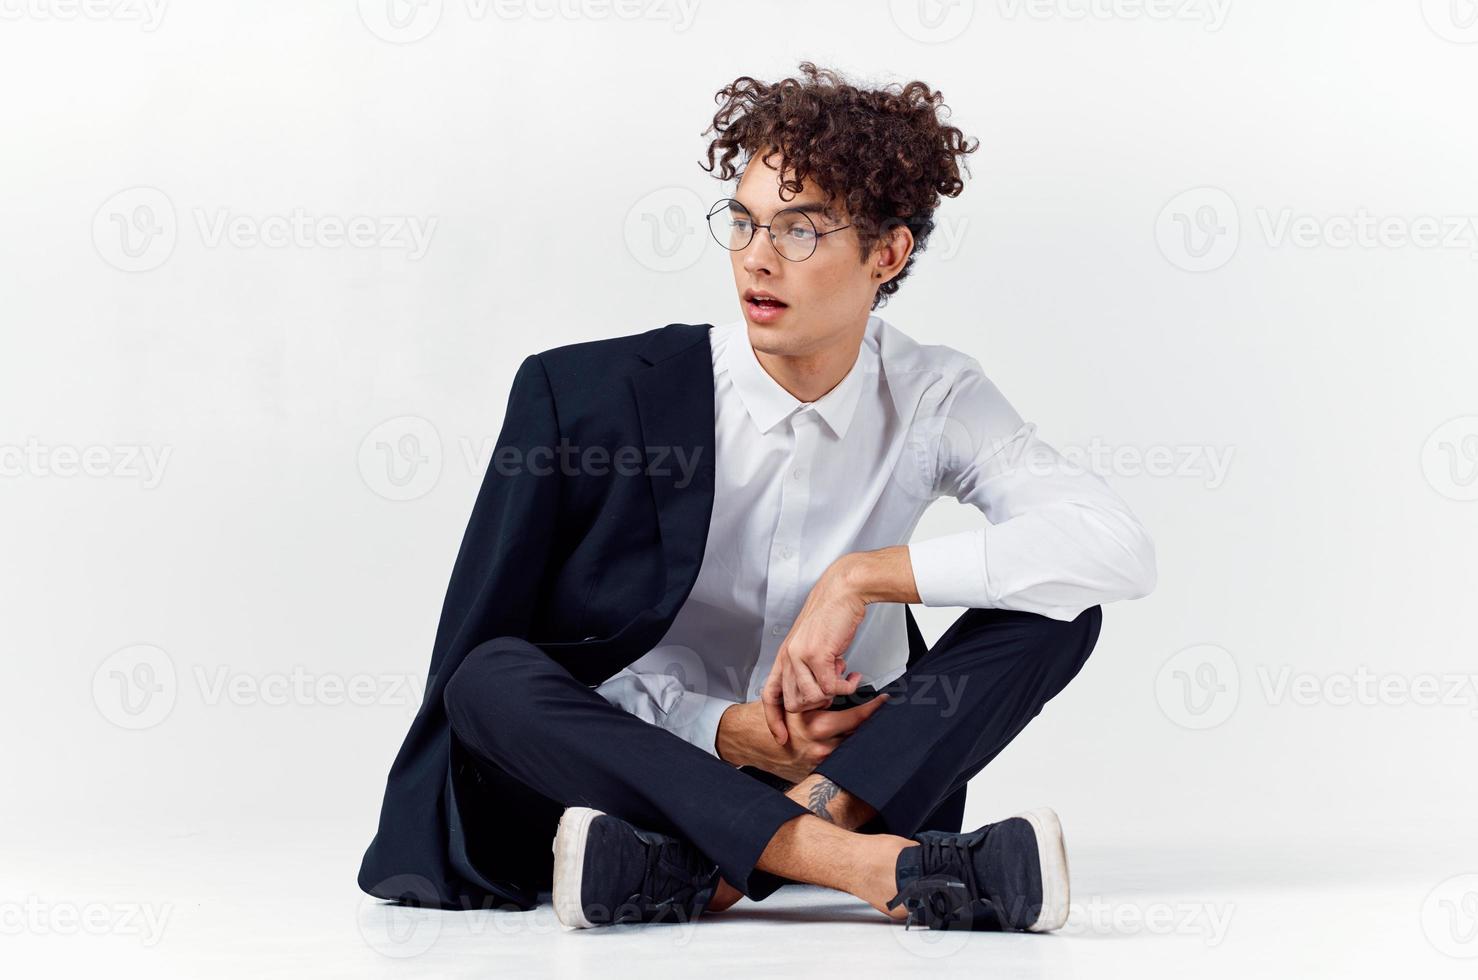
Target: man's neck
<point>807,377</point>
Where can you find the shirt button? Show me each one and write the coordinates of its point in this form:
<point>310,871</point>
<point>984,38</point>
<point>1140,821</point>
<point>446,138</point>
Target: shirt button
<point>798,474</point>
<point>777,630</point>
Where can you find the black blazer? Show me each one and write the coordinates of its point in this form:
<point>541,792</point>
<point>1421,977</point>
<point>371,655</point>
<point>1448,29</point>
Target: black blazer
<point>585,539</point>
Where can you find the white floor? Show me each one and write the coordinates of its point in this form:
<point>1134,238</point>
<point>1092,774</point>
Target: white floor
<point>230,903</point>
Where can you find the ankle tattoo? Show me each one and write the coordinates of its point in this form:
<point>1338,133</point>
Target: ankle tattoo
<point>820,798</point>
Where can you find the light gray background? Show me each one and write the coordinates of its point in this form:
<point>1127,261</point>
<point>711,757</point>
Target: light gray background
<point>1153,260</point>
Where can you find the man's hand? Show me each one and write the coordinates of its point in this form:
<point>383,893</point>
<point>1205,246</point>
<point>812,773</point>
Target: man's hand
<point>810,666</point>
<point>745,740</point>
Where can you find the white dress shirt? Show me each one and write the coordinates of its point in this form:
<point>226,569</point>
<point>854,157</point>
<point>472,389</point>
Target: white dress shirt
<point>799,484</point>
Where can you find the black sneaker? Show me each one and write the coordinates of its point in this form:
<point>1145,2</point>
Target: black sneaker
<point>1007,875</point>
<point>608,871</point>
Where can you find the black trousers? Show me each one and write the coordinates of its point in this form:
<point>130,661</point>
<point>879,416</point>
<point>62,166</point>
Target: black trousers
<point>541,740</point>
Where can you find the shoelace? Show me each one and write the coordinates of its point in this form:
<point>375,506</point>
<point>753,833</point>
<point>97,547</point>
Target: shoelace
<point>684,885</point>
<point>947,895</point>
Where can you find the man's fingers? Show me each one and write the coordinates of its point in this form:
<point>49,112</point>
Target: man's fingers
<point>867,709</point>
<point>811,693</point>
<point>848,684</point>
<point>841,682</point>
<point>774,713</point>
<point>787,686</point>
<point>851,718</point>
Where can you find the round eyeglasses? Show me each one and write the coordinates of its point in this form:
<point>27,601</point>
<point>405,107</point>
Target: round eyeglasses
<point>792,231</point>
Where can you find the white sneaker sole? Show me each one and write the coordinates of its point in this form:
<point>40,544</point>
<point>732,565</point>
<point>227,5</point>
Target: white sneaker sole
<point>569,865</point>
<point>1053,857</point>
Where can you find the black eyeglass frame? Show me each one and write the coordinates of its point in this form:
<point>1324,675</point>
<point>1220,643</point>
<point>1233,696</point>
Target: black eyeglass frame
<point>754,225</point>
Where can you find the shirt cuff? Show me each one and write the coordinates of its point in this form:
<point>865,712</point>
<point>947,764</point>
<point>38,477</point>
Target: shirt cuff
<point>950,570</point>
<point>702,730</point>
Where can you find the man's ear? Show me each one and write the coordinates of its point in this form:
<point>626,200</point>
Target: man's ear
<point>892,249</point>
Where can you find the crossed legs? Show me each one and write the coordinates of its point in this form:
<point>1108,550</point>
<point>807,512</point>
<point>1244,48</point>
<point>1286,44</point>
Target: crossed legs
<point>947,717</point>
<point>954,710</point>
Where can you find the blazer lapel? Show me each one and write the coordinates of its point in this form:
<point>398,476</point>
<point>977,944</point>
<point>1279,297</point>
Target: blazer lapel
<point>674,399</point>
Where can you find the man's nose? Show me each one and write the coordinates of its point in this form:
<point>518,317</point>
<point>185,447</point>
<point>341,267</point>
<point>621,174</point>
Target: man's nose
<point>760,253</point>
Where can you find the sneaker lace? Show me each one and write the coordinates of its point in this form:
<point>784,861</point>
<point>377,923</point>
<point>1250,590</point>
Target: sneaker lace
<point>672,872</point>
<point>947,895</point>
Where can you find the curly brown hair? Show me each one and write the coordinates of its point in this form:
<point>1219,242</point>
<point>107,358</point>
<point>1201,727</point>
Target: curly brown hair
<point>885,152</point>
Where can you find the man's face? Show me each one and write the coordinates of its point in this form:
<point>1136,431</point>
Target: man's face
<point>827,297</point>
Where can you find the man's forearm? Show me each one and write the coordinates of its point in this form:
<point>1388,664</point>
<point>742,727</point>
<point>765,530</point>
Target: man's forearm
<point>884,575</point>
<point>731,741</point>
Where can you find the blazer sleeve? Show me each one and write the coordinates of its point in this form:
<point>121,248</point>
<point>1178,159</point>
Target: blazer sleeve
<point>505,551</point>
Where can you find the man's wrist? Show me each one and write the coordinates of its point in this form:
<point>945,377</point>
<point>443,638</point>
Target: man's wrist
<point>728,741</point>
<point>882,575</point>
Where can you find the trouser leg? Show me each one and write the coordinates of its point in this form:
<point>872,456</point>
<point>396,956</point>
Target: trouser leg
<point>958,706</point>
<point>511,705</point>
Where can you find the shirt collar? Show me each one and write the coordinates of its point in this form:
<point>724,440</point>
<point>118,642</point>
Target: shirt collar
<point>769,404</point>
